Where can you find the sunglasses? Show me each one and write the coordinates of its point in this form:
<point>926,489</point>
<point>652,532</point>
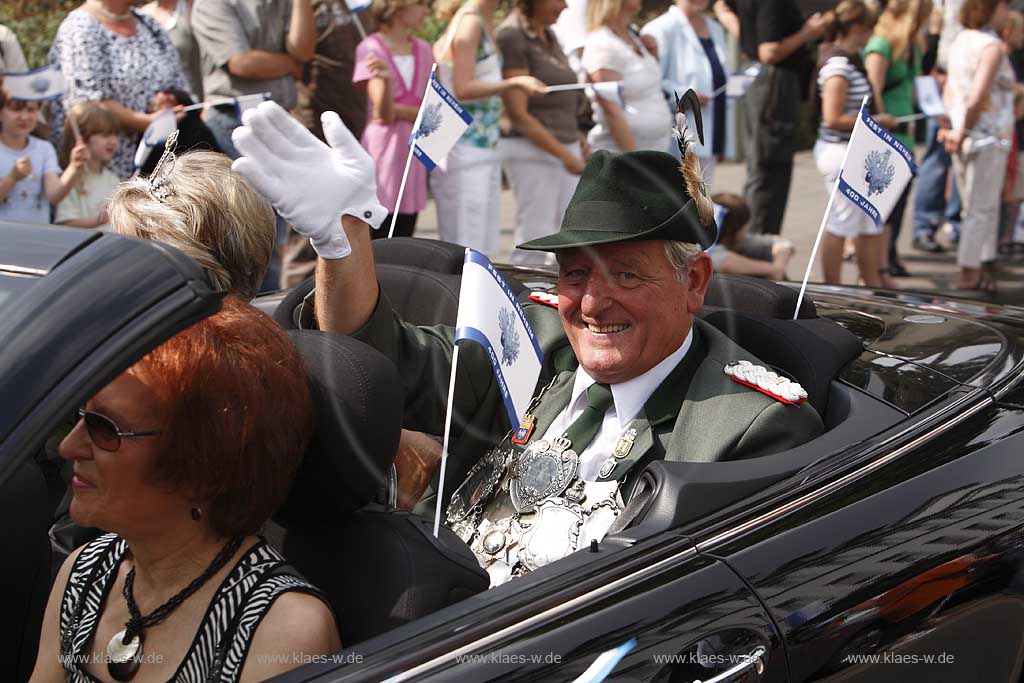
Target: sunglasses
<point>104,432</point>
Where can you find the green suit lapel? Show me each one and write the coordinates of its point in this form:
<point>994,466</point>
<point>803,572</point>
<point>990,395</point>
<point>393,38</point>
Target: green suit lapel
<point>655,422</point>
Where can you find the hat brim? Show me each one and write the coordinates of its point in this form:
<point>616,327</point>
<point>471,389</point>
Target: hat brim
<point>683,226</point>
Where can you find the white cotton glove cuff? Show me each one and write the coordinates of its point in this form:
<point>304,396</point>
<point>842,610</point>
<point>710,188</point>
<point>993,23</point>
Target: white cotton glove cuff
<point>310,184</point>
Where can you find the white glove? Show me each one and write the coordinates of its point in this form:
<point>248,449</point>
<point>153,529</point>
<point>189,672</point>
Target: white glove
<point>310,184</point>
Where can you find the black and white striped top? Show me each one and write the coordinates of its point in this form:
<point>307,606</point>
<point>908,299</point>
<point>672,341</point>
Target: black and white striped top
<point>222,642</point>
<point>857,87</point>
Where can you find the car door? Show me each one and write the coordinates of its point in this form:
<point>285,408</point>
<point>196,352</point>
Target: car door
<point>657,611</point>
<point>907,567</point>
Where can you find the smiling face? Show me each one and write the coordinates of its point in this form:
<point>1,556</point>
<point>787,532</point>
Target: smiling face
<point>623,307</point>
<point>112,490</point>
<point>412,16</point>
<point>102,146</point>
<point>19,118</point>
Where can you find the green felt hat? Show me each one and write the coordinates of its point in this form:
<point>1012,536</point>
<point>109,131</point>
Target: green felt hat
<point>628,197</point>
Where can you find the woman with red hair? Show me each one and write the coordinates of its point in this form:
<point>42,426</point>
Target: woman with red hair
<point>182,458</point>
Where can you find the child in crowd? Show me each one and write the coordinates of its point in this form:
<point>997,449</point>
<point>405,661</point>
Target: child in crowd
<point>86,204</point>
<point>30,178</point>
<point>736,252</point>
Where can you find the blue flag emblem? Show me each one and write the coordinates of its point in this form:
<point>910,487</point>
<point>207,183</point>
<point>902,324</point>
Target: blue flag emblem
<point>430,121</point>
<point>40,84</point>
<point>879,171</point>
<point>509,338</point>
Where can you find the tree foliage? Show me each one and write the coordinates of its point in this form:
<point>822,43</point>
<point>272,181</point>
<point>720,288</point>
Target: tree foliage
<point>35,23</point>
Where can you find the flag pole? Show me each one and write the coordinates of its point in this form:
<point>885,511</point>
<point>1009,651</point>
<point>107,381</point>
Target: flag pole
<point>824,219</point>
<point>412,149</point>
<point>444,445</point>
<point>359,26</point>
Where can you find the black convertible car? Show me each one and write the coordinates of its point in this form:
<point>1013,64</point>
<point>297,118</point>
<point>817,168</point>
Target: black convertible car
<point>889,548</point>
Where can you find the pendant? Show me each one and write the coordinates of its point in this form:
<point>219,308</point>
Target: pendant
<point>522,435</point>
<point>123,658</point>
<point>542,471</point>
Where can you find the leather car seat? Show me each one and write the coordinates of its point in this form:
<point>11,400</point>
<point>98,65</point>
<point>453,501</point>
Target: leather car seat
<point>25,571</point>
<point>756,296</point>
<point>379,567</point>
<point>812,351</point>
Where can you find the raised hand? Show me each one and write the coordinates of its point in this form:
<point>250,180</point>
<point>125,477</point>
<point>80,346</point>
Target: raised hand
<point>312,185</point>
<point>22,168</point>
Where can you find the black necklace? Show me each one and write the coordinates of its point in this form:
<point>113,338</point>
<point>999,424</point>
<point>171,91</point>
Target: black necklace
<point>124,651</point>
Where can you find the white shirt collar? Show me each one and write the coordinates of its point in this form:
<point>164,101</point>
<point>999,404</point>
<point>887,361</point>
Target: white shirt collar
<point>631,395</point>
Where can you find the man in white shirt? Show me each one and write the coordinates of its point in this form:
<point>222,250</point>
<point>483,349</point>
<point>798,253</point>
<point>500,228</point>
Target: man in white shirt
<point>624,356</point>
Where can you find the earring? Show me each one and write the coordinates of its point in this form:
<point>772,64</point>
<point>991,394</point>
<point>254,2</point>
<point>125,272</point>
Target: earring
<point>196,513</point>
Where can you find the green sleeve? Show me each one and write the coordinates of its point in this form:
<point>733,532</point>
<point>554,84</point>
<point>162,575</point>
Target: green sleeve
<point>881,46</point>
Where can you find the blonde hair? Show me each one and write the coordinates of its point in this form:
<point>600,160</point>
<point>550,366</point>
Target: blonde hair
<point>445,10</point>
<point>92,118</point>
<point>845,16</point>
<point>1014,22</point>
<point>207,211</point>
<point>900,22</point>
<point>599,11</point>
<point>384,10</point>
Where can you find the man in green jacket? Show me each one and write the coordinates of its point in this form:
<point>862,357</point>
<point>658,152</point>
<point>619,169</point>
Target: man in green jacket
<point>629,374</point>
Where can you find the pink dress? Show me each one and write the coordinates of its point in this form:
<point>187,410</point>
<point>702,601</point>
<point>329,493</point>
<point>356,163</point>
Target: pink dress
<point>388,144</point>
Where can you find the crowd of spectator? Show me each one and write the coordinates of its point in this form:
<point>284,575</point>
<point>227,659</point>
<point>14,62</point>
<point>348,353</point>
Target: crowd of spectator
<point>124,65</point>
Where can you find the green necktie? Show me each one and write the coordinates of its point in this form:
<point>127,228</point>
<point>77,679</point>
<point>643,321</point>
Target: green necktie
<point>583,430</point>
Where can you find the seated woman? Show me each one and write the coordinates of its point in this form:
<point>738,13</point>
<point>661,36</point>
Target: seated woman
<point>738,253</point>
<point>182,458</point>
<point>197,204</point>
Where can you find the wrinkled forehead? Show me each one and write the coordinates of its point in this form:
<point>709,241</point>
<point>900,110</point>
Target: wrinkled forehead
<point>635,254</point>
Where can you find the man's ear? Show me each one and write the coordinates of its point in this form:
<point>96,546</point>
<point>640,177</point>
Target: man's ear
<point>699,277</point>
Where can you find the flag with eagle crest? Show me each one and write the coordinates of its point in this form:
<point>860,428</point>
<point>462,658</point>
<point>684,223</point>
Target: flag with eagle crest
<point>439,124</point>
<point>490,315</point>
<point>878,168</point>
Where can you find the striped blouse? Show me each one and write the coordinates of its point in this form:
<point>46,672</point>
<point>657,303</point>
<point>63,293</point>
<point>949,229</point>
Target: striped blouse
<point>220,646</point>
<point>857,87</point>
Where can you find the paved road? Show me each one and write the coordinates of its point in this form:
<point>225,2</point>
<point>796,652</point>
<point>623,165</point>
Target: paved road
<point>807,201</point>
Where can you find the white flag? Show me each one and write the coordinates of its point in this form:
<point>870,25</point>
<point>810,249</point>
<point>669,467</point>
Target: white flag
<point>877,170</point>
<point>490,315</point>
<point>246,102</point>
<point>46,83</point>
<point>739,83</point>
<point>440,123</point>
<point>156,135</point>
<point>929,99</point>
<point>610,90</point>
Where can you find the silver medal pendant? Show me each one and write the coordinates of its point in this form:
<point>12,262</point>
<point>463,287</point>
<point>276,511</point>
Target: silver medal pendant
<point>543,471</point>
<point>123,658</point>
<point>478,486</point>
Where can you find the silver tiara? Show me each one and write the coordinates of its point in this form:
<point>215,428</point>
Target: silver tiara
<point>159,182</point>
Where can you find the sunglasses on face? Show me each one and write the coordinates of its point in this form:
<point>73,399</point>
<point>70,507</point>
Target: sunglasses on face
<point>104,432</point>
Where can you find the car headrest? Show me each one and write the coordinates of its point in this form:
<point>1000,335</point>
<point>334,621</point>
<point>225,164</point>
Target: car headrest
<point>290,313</point>
<point>358,400</point>
<point>755,295</point>
<point>441,257</point>
<point>420,296</point>
<point>812,351</point>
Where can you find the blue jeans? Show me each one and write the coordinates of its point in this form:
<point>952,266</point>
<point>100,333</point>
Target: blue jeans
<point>930,204</point>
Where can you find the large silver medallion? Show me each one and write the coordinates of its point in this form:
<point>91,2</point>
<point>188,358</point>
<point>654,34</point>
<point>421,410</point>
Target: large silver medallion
<point>542,471</point>
<point>554,535</point>
<point>478,486</point>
